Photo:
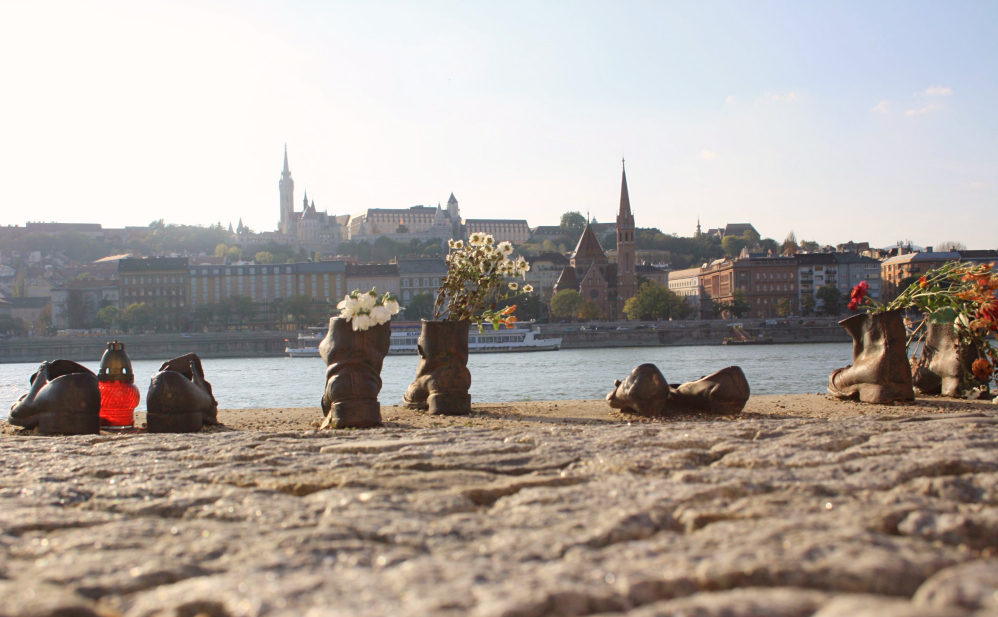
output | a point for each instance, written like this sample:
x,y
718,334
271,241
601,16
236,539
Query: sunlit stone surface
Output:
x,y
761,516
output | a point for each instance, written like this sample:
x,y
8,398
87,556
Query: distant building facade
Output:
x,y
75,303
766,280
687,284
514,231
404,224
419,276
158,282
646,271
321,282
544,272
384,278
894,270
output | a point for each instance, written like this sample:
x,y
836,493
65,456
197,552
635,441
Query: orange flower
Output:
x,y
988,313
982,369
923,282
509,321
509,309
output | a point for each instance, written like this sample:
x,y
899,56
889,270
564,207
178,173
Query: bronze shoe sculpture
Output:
x,y
353,373
179,399
442,377
724,392
647,392
64,399
945,362
880,372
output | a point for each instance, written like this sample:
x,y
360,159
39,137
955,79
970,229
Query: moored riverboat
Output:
x,y
520,338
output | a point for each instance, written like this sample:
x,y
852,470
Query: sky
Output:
x,y
864,121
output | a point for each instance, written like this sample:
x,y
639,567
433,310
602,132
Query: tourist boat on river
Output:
x,y
521,337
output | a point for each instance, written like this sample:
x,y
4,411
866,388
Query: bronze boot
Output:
x,y
353,373
442,377
945,362
64,399
880,372
724,392
645,391
179,399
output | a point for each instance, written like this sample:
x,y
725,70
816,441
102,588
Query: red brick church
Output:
x,y
590,272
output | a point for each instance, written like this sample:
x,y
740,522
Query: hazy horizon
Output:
x,y
840,122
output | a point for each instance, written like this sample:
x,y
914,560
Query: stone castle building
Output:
x,y
420,222
608,285
318,232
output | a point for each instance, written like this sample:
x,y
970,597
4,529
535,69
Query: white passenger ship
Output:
x,y
521,337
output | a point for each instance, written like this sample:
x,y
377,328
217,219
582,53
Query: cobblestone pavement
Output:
x,y
760,516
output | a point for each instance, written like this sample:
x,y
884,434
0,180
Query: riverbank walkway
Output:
x,y
801,506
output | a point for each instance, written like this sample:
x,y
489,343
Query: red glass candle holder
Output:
x,y
118,395
118,400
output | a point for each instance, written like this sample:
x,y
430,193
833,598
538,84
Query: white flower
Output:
x,y
459,244
366,302
361,322
476,239
489,240
514,286
505,248
392,306
348,307
380,315
528,288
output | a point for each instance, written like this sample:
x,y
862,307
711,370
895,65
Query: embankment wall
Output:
x,y
147,346
273,344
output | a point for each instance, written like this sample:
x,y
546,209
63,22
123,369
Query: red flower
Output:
x,y
982,369
858,295
923,282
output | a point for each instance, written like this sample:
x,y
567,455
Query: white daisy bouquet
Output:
x,y
476,282
364,310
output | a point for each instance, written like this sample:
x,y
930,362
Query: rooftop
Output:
x,y
309,267
431,265
372,269
152,264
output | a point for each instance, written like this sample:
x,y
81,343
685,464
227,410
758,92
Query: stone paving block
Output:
x,y
743,517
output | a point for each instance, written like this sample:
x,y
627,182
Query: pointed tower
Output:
x,y
627,280
455,217
240,228
287,188
588,252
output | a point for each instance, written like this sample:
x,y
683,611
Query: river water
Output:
x,y
568,374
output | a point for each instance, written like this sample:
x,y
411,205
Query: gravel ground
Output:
x,y
800,506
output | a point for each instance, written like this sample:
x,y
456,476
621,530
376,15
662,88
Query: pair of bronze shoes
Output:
x,y
65,399
646,392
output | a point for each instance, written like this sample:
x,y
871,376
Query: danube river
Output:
x,y
569,374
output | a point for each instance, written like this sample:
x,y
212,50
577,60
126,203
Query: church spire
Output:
x,y
625,200
287,172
